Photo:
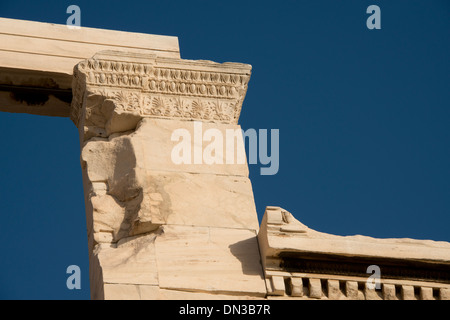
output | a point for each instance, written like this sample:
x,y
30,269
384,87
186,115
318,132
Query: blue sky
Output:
x,y
363,117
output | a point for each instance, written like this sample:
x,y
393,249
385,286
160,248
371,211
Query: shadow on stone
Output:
x,y
247,252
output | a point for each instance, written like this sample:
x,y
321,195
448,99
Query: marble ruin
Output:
x,y
158,230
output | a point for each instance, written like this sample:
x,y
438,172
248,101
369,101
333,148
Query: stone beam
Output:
x,y
37,60
158,229
301,263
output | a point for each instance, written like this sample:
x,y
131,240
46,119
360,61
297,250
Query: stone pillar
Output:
x,y
158,229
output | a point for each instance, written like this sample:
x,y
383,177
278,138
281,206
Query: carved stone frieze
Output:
x,y
150,86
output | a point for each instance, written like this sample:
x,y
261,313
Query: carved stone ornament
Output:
x,y
131,86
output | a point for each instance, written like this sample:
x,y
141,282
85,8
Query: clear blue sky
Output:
x,y
364,120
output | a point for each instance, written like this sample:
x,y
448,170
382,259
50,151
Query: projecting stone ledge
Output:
x,y
120,88
301,263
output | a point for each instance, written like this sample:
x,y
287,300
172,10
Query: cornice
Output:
x,y
291,249
151,86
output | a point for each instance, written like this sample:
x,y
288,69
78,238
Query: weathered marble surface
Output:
x,y
301,263
157,228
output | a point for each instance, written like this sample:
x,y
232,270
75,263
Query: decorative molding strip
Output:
x,y
163,87
172,106
309,287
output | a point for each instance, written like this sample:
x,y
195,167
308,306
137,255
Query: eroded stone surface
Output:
x,y
290,233
129,199
131,261
120,88
336,267
154,223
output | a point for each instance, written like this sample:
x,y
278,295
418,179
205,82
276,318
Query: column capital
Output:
x,y
133,86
